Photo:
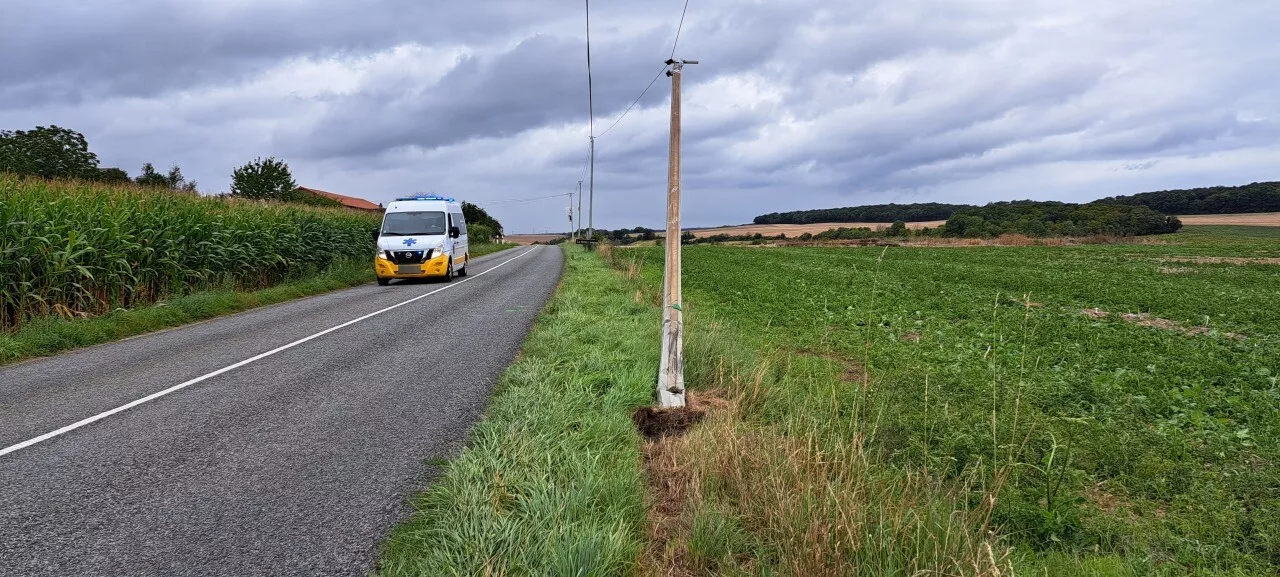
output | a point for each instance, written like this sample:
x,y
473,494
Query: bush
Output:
x,y
480,233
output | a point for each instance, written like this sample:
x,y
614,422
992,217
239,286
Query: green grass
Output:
x,y
52,335
1125,449
480,249
550,483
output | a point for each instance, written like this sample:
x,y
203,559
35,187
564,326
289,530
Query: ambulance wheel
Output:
x,y
448,272
463,271
384,281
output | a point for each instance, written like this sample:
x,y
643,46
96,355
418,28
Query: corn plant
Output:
x,y
78,249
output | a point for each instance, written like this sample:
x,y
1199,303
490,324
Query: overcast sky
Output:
x,y
796,104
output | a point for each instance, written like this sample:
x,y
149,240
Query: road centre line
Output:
x,y
178,387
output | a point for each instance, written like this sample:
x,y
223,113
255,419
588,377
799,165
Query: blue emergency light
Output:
x,y
426,197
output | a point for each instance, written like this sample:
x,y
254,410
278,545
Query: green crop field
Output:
x,y
75,249
1104,409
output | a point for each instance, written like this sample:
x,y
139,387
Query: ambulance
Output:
x,y
422,236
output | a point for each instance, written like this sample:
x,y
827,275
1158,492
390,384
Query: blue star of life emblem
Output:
x,y
410,241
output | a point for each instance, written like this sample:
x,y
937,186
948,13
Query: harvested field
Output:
x,y
793,230
799,229
1256,219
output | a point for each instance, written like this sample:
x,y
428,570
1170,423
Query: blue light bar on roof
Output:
x,y
426,197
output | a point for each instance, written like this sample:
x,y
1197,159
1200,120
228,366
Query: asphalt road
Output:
x,y
297,463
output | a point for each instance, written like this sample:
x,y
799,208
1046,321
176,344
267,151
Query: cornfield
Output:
x,y
79,249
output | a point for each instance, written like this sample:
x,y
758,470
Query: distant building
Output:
x,y
350,202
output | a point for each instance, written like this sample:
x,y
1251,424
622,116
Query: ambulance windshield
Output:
x,y
413,223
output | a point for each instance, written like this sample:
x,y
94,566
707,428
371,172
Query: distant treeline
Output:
x,y
1032,218
885,213
1039,219
1256,197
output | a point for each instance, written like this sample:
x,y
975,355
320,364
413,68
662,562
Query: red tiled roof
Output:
x,y
347,201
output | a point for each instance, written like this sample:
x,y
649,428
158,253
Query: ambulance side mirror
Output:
x,y
454,232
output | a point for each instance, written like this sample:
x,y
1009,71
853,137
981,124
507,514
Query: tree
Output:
x,y
149,177
112,175
263,179
172,181
476,215
49,152
898,228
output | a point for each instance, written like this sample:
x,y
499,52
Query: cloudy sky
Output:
x,y
796,104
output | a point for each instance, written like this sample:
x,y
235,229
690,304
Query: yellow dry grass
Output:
x,y
822,506
1255,219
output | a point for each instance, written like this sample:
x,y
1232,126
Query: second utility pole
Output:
x,y
671,365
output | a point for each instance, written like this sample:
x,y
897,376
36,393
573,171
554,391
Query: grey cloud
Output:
x,y
860,100
76,51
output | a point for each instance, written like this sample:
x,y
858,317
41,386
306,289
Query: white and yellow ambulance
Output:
x,y
422,236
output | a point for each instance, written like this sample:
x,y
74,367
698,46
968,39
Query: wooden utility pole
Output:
x,y
573,232
671,365
591,204
579,226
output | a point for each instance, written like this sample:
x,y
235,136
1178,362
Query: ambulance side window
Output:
x,y
459,222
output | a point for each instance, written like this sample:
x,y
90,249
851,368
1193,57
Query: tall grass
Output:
x,y
80,249
550,483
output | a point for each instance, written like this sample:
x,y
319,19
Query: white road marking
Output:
x,y
179,387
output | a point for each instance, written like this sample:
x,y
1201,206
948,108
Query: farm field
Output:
x,y
1105,409
794,230
1255,219
76,249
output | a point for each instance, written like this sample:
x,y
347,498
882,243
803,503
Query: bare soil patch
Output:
x,y
656,423
1221,260
1146,320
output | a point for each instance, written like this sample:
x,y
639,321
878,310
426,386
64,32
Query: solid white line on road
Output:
x,y
179,387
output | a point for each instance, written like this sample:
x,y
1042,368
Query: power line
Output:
x,y
674,44
586,160
637,101
590,95
517,200
679,28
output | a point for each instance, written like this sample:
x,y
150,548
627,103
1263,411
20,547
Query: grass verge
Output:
x,y
481,249
551,481
52,335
